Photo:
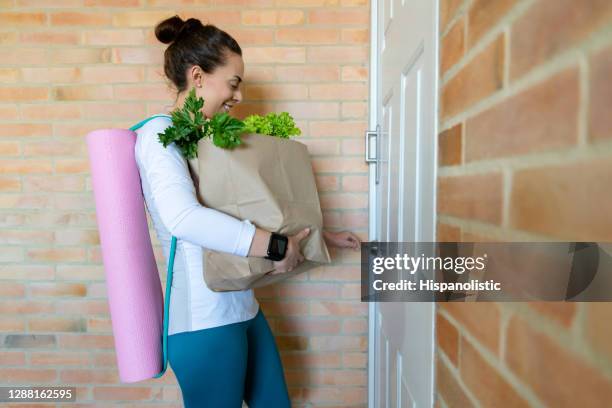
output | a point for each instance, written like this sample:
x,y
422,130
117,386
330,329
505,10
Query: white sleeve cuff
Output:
x,y
245,239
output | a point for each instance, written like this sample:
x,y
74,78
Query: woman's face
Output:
x,y
221,88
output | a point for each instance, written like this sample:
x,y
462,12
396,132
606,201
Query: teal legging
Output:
x,y
222,366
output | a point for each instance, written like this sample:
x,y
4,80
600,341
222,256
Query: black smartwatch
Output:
x,y
277,247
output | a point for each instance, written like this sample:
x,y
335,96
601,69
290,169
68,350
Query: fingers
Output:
x,y
302,234
349,240
354,239
294,265
288,267
294,256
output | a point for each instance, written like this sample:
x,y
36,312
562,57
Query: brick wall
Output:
x,y
525,154
71,66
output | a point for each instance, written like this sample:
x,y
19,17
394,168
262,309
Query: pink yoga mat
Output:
x,y
133,284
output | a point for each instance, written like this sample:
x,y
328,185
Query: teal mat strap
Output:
x,y
167,307
168,277
142,122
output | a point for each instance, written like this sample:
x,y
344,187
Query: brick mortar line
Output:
x,y
162,47
490,230
506,197
498,366
456,374
113,14
186,7
440,400
101,120
578,330
460,347
507,57
162,84
459,13
582,122
466,29
566,157
463,141
504,319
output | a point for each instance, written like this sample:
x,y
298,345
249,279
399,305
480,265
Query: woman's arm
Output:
x,y
174,196
259,247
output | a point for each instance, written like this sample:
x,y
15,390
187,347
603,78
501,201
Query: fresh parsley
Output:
x,y
189,126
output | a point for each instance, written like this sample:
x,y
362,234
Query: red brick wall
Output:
x,y
525,154
70,66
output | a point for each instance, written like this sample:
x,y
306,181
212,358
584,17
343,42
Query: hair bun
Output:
x,y
167,30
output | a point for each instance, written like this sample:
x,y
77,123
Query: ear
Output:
x,y
197,76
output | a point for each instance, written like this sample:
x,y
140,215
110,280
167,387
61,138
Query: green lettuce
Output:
x,y
273,124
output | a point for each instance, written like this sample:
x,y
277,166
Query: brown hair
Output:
x,y
192,43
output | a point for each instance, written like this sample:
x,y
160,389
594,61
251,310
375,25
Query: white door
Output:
x,y
404,61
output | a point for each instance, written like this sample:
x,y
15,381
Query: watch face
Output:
x,y
277,248
282,246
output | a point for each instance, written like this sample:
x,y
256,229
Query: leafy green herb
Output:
x,y
273,124
189,126
226,130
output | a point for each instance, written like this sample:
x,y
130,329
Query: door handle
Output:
x,y
368,157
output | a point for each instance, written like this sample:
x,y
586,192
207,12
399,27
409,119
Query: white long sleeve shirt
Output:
x,y
171,200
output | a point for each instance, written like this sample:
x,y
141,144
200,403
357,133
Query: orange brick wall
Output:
x,y
525,154
71,66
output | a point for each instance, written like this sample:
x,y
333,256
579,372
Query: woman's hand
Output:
x,y
344,239
293,256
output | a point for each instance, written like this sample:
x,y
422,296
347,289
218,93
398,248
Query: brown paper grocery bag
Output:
x,y
269,181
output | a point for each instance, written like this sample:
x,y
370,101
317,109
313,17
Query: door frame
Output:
x,y
372,124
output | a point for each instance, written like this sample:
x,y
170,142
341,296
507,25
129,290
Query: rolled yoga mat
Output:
x,y
133,284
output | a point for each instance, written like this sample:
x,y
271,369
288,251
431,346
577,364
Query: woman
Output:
x,y
220,346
